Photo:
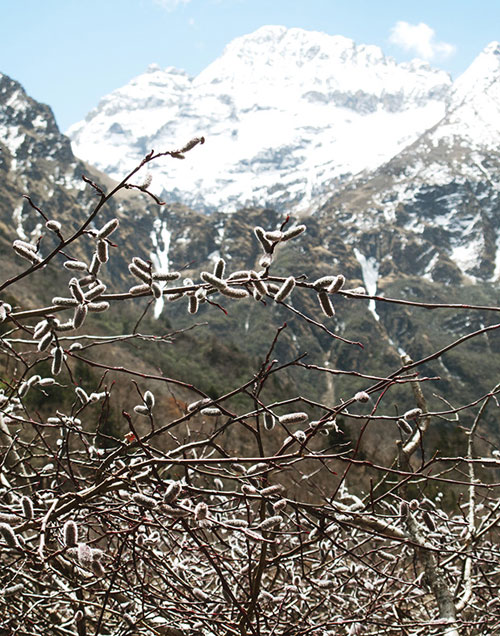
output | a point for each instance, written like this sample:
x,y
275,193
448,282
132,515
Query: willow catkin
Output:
x,y
269,421
138,262
172,492
8,535
27,506
285,290
95,266
166,276
326,304
217,282
95,291
108,228
261,235
293,232
78,266
139,289
149,399
211,411
337,284
79,315
76,290
274,236
193,304
361,396
45,341
292,418
64,302
412,414
70,534
57,360
84,554
139,273
405,426
102,251
219,268
82,395
144,500
103,305
324,282
235,292
271,523
428,520
157,291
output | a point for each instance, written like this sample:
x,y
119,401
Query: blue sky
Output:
x,y
69,53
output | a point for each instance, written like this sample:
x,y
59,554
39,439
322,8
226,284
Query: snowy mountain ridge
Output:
x,y
287,113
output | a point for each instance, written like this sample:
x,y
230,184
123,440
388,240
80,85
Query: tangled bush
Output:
x,y
171,530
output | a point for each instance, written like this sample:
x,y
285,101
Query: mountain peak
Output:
x,y
285,111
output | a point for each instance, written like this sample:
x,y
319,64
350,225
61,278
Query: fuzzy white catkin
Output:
x,y
172,492
79,315
261,235
95,291
45,341
217,282
140,409
144,500
337,284
149,399
76,290
139,289
166,276
233,292
102,251
64,302
326,304
292,418
103,305
57,361
293,232
53,226
8,535
412,414
271,522
193,304
139,273
269,421
361,396
285,290
157,291
271,490
70,534
107,229
211,411
41,329
324,282
78,266
84,554
27,506
138,262
256,468
219,268
194,405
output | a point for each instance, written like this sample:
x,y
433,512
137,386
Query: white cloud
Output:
x,y
170,5
419,38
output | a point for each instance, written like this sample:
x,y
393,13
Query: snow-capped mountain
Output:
x,y
286,114
442,190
